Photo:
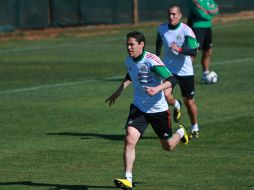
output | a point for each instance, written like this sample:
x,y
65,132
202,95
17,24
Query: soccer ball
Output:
x,y
210,78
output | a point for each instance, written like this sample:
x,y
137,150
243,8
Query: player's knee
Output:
x,y
167,92
208,52
169,97
167,147
129,141
189,102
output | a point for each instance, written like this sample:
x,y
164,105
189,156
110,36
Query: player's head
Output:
x,y
135,43
174,14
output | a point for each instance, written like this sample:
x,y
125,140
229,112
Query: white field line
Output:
x,y
45,47
226,62
114,77
44,86
28,49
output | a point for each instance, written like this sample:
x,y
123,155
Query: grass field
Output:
x,y
57,132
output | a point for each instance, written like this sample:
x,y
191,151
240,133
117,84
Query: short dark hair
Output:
x,y
176,6
140,37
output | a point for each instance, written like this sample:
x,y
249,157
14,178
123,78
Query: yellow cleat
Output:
x,y
185,138
125,184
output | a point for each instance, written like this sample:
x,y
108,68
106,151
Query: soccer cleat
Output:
x,y
193,134
125,184
177,113
185,138
204,79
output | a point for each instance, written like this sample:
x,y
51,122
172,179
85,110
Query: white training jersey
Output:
x,y
177,63
142,75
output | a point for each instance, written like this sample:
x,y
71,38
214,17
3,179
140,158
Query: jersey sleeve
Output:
x,y
158,66
189,38
191,42
162,71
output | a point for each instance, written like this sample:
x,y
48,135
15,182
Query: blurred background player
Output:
x,y
201,13
149,77
179,45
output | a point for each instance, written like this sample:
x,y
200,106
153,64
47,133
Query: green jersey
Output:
x,y
201,13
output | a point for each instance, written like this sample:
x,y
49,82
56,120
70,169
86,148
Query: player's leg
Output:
x,y
162,127
180,135
193,115
135,126
205,60
192,110
204,44
175,103
169,97
187,86
206,52
131,139
171,142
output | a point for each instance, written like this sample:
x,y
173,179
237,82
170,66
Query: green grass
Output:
x,y
57,132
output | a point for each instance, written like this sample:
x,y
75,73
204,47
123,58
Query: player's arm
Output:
x,y
158,44
126,81
169,81
200,10
163,72
213,8
189,47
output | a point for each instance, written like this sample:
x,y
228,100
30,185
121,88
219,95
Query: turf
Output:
x,y
57,132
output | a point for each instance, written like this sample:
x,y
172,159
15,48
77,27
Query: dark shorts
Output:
x,y
187,85
160,122
204,37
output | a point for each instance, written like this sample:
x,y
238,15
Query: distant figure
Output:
x,y
201,13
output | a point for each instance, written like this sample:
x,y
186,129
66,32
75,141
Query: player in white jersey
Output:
x,y
149,77
179,45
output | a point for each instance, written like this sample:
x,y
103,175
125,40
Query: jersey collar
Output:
x,y
140,57
171,27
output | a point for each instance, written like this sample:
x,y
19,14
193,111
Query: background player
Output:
x,y
179,44
201,13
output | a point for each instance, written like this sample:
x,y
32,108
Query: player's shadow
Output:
x,y
90,135
55,186
95,135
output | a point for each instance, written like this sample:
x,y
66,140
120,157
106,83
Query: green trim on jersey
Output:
x,y
162,71
171,27
191,42
140,57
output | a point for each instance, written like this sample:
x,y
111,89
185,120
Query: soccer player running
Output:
x,y
200,17
179,45
149,77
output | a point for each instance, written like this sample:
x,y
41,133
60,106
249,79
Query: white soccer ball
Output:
x,y
211,78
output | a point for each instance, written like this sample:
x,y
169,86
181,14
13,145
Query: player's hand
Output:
x,y
151,90
174,47
111,100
